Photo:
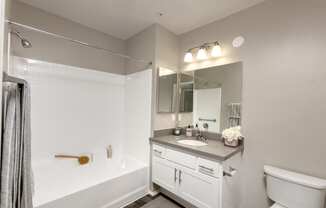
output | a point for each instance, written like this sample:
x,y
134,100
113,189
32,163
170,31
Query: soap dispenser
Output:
x,y
189,131
197,131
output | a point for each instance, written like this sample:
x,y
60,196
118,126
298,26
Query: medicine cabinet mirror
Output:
x,y
186,92
167,90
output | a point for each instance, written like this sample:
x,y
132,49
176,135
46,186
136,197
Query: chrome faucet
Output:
x,y
199,133
200,136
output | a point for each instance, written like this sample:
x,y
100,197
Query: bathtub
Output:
x,y
104,183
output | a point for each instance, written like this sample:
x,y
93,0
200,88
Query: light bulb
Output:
x,y
216,50
202,54
188,57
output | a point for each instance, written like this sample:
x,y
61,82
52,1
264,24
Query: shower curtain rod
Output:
x,y
76,41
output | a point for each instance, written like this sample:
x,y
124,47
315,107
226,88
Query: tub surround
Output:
x,y
214,150
76,104
93,182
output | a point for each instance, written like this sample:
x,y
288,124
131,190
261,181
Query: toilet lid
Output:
x,y
277,206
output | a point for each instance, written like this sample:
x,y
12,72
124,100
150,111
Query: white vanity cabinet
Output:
x,y
164,173
194,179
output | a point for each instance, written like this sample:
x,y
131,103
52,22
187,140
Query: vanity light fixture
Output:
x,y
188,57
214,49
202,53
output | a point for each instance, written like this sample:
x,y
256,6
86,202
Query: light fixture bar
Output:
x,y
202,53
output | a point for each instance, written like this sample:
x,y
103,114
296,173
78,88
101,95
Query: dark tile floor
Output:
x,y
159,201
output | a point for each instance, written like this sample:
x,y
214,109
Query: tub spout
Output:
x,y
109,152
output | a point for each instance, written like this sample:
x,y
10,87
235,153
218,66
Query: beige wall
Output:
x,y
284,87
160,46
60,51
141,46
167,48
167,55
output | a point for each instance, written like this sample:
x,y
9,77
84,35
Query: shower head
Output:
x,y
25,43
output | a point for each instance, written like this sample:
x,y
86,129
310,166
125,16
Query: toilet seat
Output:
x,y
277,206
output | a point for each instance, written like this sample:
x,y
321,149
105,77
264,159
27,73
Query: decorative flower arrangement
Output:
x,y
232,136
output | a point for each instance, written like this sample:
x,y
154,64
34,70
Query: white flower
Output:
x,y
231,134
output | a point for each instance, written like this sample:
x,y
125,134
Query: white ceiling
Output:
x,y
125,18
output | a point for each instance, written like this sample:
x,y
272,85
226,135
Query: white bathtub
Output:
x,y
101,184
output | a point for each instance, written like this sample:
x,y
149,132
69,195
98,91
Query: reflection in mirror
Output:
x,y
167,88
207,108
186,92
217,98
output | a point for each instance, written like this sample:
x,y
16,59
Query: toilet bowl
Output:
x,y
276,205
293,189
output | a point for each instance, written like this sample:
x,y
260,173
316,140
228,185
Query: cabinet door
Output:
x,y
201,190
164,174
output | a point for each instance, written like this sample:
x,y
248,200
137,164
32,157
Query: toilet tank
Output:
x,y
294,190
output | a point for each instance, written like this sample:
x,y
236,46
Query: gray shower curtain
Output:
x,y
15,148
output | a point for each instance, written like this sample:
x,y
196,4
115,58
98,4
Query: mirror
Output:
x,y
186,92
167,88
216,100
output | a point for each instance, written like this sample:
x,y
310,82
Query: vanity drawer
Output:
x,y
159,151
209,167
181,158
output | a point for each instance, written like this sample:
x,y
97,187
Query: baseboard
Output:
x,y
153,193
128,198
176,198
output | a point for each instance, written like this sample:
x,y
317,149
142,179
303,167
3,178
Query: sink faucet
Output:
x,y
199,133
199,136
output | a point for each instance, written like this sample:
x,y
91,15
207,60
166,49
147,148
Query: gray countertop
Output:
x,y
215,148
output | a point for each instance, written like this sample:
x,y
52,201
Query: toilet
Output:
x,y
294,190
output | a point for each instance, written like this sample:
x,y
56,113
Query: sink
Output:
x,y
192,142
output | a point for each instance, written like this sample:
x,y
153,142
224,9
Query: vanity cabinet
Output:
x,y
199,189
194,179
165,174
